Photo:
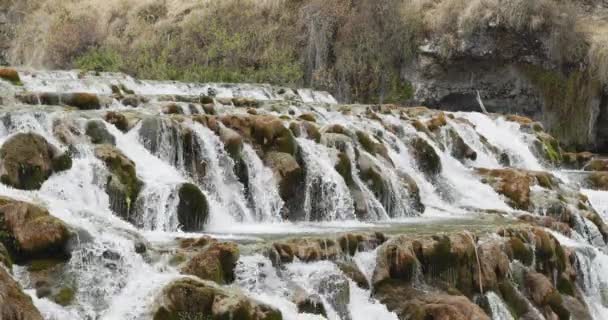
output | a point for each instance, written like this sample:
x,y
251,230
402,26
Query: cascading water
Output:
x,y
353,170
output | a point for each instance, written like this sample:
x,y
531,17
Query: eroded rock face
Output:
x,y
28,160
461,265
14,303
192,298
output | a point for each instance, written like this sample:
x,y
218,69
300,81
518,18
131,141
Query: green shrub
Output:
x,y
99,60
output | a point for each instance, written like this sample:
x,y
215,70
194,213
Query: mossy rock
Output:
x,y
216,262
352,271
123,185
192,298
425,156
82,101
245,103
172,108
272,135
192,209
28,160
32,233
203,99
520,251
96,130
10,75
371,146
15,304
64,297
290,179
308,117
344,168
43,264
119,120
437,122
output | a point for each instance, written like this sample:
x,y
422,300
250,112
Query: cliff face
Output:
x,y
540,58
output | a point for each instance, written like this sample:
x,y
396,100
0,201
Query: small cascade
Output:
x,y
327,196
264,195
219,180
506,136
499,310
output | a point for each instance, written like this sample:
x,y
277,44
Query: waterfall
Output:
x,y
381,170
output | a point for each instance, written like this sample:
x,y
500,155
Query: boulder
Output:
x,y
596,164
309,303
81,100
290,179
122,185
10,75
189,298
192,209
31,232
576,160
96,130
119,120
215,262
27,160
437,122
14,303
352,271
425,156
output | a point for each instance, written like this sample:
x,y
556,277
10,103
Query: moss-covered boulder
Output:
x,y
29,231
542,293
548,148
172,108
14,303
81,100
513,184
308,303
596,164
459,149
27,160
193,208
216,262
425,156
305,129
98,133
272,135
437,122
352,271
578,160
372,145
188,298
10,75
122,185
119,120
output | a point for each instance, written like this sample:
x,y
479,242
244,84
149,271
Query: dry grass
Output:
x,y
356,49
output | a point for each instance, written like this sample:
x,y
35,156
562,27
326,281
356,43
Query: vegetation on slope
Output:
x,y
358,50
